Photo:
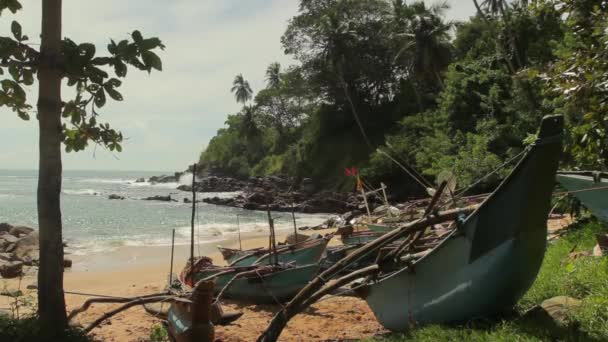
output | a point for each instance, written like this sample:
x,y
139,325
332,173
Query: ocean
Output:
x,y
92,223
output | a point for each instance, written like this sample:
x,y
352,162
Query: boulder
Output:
x,y
11,269
140,180
32,286
185,187
9,248
6,257
27,247
159,198
16,231
7,239
553,315
5,227
67,263
260,198
115,197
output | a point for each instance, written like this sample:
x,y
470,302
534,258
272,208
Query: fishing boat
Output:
x,y
306,252
232,254
259,284
589,187
487,263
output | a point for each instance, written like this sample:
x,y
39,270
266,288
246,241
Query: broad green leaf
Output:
x,y
118,148
151,60
28,76
100,98
14,71
114,94
87,51
113,82
137,37
16,29
120,68
151,43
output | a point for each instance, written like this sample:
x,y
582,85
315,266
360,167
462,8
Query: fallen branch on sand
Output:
x,y
108,300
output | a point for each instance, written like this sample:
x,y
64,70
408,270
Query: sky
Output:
x,y
167,118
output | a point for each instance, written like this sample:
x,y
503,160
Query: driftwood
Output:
x,y
299,302
94,300
124,307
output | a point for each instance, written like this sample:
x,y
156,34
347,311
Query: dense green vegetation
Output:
x,y
396,75
584,277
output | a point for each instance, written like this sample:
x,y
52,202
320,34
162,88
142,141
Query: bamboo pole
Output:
x,y
193,214
295,226
238,227
276,326
172,253
408,243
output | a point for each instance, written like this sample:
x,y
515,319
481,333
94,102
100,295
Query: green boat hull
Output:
x,y
486,265
300,256
268,289
595,200
379,228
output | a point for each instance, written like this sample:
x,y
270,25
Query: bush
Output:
x,y
30,330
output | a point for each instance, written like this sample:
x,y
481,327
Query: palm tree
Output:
x,y
426,35
479,10
495,7
273,75
241,89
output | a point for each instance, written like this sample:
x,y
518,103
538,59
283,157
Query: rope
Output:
x,y
458,194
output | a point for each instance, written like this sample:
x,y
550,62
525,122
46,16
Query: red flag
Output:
x,y
350,172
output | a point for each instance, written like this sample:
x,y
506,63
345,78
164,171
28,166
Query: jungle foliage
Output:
x,y
378,76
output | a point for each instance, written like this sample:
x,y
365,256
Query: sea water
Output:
x,y
93,223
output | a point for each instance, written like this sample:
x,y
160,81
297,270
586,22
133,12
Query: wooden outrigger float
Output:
x,y
481,268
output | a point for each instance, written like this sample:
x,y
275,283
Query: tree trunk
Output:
x,y
51,302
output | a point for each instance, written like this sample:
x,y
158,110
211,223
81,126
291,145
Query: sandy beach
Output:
x,y
134,271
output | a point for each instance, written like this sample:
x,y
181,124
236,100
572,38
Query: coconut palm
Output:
x,y
426,36
273,75
241,89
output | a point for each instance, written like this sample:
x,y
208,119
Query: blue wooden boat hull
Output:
x,y
277,286
595,200
487,264
301,256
